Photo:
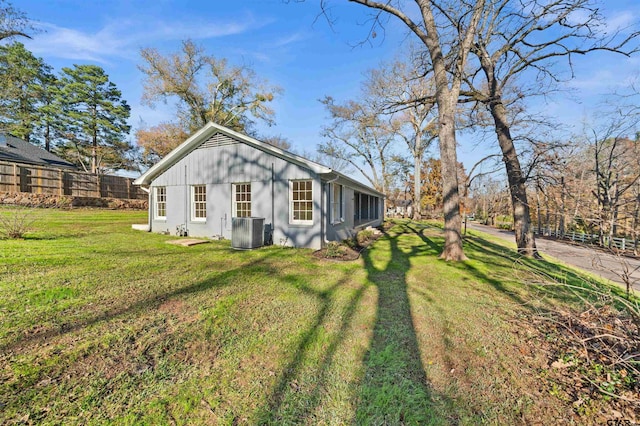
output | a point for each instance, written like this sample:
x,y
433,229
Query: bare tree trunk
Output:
x,y
450,197
562,208
547,215
539,207
636,221
417,187
525,239
576,210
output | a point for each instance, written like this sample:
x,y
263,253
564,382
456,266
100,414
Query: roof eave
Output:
x,y
206,132
354,183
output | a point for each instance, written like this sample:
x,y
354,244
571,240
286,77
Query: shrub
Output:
x,y
15,222
364,236
335,249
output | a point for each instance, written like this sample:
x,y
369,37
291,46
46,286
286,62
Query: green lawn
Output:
x,y
102,324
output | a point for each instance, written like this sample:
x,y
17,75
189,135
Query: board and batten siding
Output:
x,y
222,161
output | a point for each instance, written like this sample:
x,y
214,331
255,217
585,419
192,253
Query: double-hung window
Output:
x,y
198,203
301,202
337,205
161,202
241,200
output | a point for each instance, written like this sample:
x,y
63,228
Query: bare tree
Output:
x,y
489,197
616,168
448,48
359,136
207,88
13,22
516,37
401,89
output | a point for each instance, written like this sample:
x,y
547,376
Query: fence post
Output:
x,y
98,189
16,187
61,182
624,240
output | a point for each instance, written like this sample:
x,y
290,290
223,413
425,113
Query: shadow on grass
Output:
x,y
545,278
394,388
283,405
259,266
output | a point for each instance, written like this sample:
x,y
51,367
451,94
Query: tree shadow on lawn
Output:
x,y
544,277
394,388
538,275
259,265
283,405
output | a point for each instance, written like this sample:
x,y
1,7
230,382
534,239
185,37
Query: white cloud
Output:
x,y
290,39
620,21
122,39
596,81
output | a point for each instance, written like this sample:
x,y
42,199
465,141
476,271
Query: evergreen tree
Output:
x,y
24,83
49,113
95,120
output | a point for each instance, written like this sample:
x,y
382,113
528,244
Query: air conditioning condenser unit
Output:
x,y
247,232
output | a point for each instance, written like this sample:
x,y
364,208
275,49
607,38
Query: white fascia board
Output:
x,y
209,130
352,183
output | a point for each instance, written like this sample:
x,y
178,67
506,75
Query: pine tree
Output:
x,y
24,83
95,120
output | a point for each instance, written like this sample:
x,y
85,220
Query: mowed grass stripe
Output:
x,y
100,324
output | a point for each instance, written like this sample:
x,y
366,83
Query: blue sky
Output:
x,y
287,43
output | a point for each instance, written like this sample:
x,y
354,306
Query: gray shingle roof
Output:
x,y
18,151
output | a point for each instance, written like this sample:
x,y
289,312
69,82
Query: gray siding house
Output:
x,y
219,174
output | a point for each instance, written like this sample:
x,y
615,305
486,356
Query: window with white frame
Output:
x,y
337,204
161,202
301,202
199,203
241,200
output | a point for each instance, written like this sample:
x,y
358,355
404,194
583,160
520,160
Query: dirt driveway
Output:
x,y
594,261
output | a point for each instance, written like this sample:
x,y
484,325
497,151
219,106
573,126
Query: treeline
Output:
x,y
77,113
475,67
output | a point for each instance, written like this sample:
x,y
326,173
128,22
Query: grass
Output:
x,y
102,324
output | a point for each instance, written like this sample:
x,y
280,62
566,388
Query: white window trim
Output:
x,y
234,203
155,199
339,219
193,204
292,221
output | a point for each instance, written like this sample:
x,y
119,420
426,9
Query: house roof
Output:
x,y
16,150
211,129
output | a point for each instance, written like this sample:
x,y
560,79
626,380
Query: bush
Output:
x,y
364,236
15,222
334,249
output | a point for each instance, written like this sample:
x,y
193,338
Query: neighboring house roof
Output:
x,y
16,150
211,129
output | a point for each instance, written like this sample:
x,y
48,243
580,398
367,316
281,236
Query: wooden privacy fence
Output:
x,y
46,180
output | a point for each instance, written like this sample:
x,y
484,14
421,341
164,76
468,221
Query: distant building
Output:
x,y
15,150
